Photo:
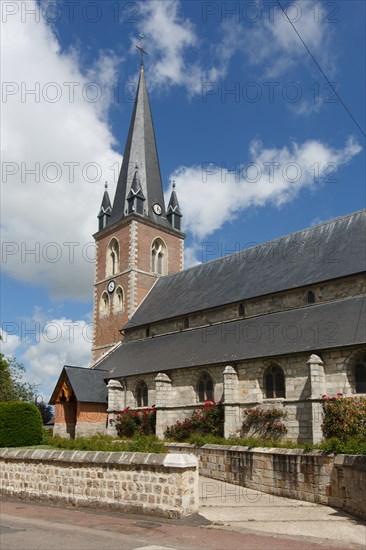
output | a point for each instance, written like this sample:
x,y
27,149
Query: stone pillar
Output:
x,y
163,386
231,406
115,404
317,389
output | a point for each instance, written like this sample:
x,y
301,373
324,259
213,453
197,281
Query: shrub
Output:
x,y
354,445
102,442
129,422
20,424
206,420
343,417
264,423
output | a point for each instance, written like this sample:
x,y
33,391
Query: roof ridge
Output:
x,y
82,368
223,258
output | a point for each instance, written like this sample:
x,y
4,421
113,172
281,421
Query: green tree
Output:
x,y
46,412
12,387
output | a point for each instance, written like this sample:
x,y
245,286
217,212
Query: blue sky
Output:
x,y
246,123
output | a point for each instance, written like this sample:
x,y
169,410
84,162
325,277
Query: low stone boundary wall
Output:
x,y
315,476
158,484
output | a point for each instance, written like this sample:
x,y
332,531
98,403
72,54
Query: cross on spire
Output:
x,y
141,49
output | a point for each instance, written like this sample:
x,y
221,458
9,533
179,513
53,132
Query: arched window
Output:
x,y
205,388
360,375
104,304
310,297
274,382
241,310
158,257
141,394
119,299
112,258
186,322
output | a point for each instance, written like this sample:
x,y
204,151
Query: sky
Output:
x,y
259,115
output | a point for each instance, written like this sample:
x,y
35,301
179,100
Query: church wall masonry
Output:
x,y
239,386
291,299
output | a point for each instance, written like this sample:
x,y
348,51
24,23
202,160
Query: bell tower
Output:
x,y
138,240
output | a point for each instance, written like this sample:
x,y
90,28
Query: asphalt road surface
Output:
x,y
26,526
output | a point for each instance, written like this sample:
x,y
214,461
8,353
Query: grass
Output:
x,y
150,444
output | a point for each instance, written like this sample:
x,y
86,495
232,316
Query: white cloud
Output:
x,y
44,343
59,342
273,43
170,38
40,130
9,343
271,177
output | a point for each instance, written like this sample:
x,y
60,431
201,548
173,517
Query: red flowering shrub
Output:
x,y
130,421
206,420
264,423
343,417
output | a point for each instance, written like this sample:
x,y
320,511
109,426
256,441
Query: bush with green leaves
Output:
x,y
206,420
20,424
343,417
130,421
102,442
264,423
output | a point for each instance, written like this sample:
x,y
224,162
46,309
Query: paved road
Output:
x,y
39,527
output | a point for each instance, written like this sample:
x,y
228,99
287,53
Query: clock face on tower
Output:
x,y
157,209
111,286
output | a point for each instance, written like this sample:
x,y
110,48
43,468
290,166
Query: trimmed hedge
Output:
x,y
20,424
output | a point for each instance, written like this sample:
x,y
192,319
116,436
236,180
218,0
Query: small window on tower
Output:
x,y
186,323
158,257
311,297
119,299
241,310
112,258
104,304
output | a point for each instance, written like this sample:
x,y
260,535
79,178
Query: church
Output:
x,y
279,324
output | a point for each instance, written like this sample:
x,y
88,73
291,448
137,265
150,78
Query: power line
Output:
x,y
321,70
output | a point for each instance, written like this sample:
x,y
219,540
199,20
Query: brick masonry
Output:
x,y
160,485
133,275
338,481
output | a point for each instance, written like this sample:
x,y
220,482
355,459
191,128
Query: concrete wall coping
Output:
x,y
180,461
351,461
263,450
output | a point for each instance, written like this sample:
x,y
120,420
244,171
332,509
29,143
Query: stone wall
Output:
x,y
311,476
161,485
336,289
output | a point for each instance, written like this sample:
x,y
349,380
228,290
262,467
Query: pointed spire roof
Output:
x,y
136,190
173,206
105,207
141,150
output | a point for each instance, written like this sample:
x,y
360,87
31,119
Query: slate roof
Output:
x,y
327,251
141,150
340,323
106,207
88,384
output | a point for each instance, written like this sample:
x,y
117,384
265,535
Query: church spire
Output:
x,y
105,209
140,150
174,213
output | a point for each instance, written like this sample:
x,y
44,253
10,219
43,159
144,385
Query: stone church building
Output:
x,y
279,324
